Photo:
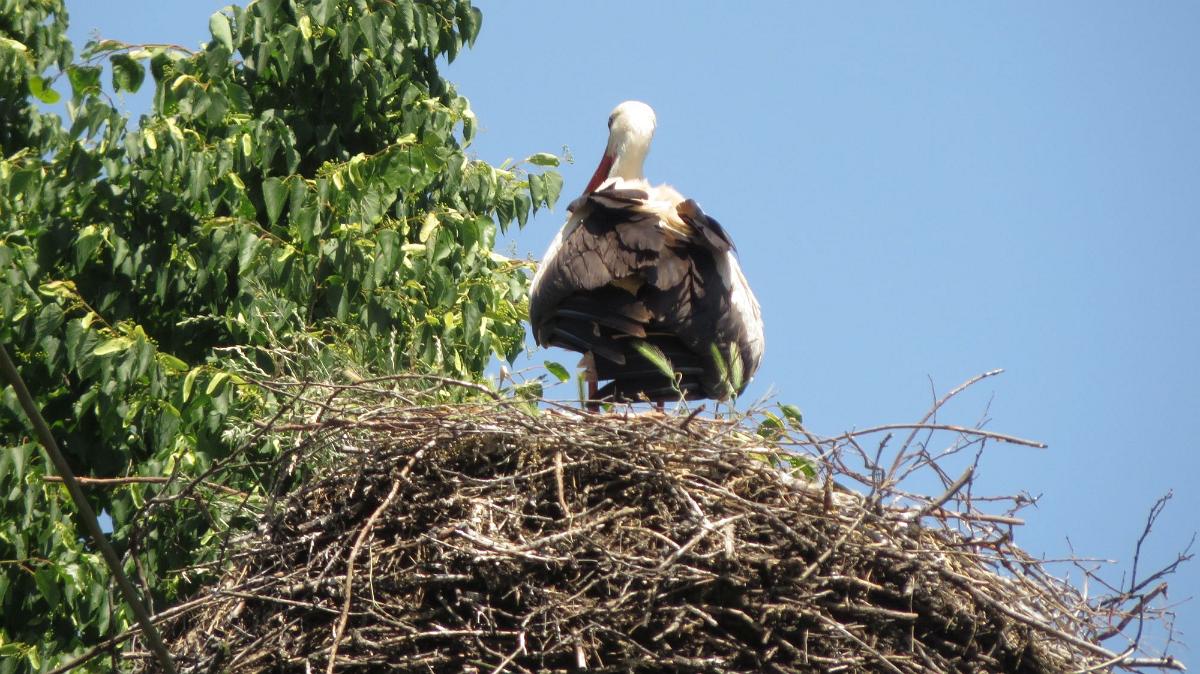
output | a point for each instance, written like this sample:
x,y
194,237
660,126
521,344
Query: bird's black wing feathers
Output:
x,y
618,277
712,232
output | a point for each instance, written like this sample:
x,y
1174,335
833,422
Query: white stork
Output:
x,y
637,265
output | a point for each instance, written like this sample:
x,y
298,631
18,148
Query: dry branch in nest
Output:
x,y
492,538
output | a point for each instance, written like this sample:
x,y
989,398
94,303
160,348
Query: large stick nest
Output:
x,y
489,538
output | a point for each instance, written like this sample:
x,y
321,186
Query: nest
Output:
x,y
499,538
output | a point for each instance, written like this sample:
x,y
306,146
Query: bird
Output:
x,y
643,283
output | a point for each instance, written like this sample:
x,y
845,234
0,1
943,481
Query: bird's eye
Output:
x,y
610,120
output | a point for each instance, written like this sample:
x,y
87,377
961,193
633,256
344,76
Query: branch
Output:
x,y
349,587
85,512
948,427
137,479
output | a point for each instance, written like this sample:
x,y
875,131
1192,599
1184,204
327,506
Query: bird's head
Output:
x,y
630,130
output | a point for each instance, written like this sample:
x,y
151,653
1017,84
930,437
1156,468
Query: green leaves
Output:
x,y
560,373
323,12
274,194
544,189
305,206
736,371
469,21
543,159
214,384
13,45
171,364
218,25
127,73
774,426
85,80
189,382
793,415
114,345
771,427
41,89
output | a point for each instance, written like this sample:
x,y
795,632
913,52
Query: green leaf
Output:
x,y
523,206
20,457
189,381
47,584
170,363
656,357
557,370
722,370
531,390
113,345
218,25
215,382
87,241
800,463
469,20
127,73
430,223
246,251
792,413
771,427
14,45
274,194
239,98
49,320
543,159
11,650
537,190
85,80
552,184
736,374
324,11
41,89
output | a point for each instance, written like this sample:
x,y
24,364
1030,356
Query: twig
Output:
x,y
948,427
138,479
949,494
1155,511
945,399
558,482
879,657
348,588
1137,610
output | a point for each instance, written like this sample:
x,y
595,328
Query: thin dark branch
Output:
x,y
85,513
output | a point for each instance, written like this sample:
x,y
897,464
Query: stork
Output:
x,y
639,272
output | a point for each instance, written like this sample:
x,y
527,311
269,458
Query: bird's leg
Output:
x,y
593,405
588,363
660,406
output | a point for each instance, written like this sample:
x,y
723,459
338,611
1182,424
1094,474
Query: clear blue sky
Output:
x,y
919,191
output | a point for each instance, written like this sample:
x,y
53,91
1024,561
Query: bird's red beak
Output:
x,y
601,173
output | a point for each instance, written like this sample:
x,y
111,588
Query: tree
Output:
x,y
298,203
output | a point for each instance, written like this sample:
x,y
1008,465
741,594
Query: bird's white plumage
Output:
x,y
631,128
745,305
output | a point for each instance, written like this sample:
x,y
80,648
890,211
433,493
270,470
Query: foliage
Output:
x,y
299,201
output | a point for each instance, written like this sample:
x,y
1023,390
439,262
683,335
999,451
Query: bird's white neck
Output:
x,y
630,130
630,157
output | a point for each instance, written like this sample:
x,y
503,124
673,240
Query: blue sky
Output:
x,y
919,192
